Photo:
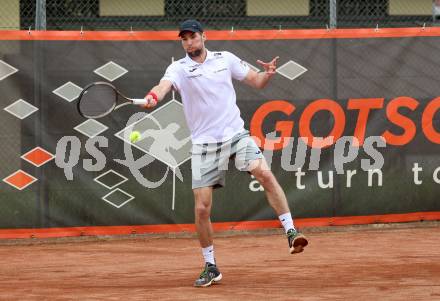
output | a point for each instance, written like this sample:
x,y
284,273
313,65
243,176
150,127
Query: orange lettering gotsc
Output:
x,y
364,105
427,117
393,115
319,105
284,127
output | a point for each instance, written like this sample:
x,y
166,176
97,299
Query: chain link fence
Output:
x,y
214,14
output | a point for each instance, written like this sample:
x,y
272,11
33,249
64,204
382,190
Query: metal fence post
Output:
x,y
40,15
333,14
42,197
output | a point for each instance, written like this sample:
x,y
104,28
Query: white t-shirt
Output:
x,y
208,96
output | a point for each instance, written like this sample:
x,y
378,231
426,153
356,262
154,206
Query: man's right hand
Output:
x,y
151,102
157,93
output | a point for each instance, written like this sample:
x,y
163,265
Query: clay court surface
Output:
x,y
354,264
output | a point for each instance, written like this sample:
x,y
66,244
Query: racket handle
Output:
x,y
139,101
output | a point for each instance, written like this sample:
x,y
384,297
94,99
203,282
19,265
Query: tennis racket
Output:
x,y
99,99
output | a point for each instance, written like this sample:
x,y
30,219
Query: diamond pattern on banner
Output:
x,y
69,91
256,69
6,70
110,179
19,179
38,156
111,71
21,109
91,128
291,70
118,198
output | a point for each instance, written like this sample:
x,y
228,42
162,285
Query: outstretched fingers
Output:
x,y
271,66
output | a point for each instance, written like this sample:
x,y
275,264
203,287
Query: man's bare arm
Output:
x,y
260,80
159,91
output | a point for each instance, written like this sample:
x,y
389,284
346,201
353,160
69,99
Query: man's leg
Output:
x,y
278,201
203,203
274,193
202,208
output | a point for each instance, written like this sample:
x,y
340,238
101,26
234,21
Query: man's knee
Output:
x,y
203,202
202,211
265,177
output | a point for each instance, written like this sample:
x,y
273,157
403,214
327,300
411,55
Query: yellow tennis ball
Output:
x,y
135,136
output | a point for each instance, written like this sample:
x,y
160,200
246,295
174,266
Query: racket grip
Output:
x,y
139,101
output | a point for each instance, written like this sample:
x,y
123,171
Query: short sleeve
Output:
x,y
239,68
172,74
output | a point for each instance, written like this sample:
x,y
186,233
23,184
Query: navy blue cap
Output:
x,y
190,25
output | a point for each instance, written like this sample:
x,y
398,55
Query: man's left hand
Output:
x,y
271,67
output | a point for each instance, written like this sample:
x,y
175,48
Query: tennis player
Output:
x,y
204,80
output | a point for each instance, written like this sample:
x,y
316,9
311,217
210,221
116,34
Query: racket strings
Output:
x,y
97,101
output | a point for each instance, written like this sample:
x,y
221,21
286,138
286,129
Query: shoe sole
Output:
x,y
299,243
213,281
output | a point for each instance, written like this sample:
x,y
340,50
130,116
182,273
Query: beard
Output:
x,y
195,53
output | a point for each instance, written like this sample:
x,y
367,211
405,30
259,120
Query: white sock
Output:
x,y
286,221
208,254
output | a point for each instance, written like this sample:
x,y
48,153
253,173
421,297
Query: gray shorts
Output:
x,y
209,161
